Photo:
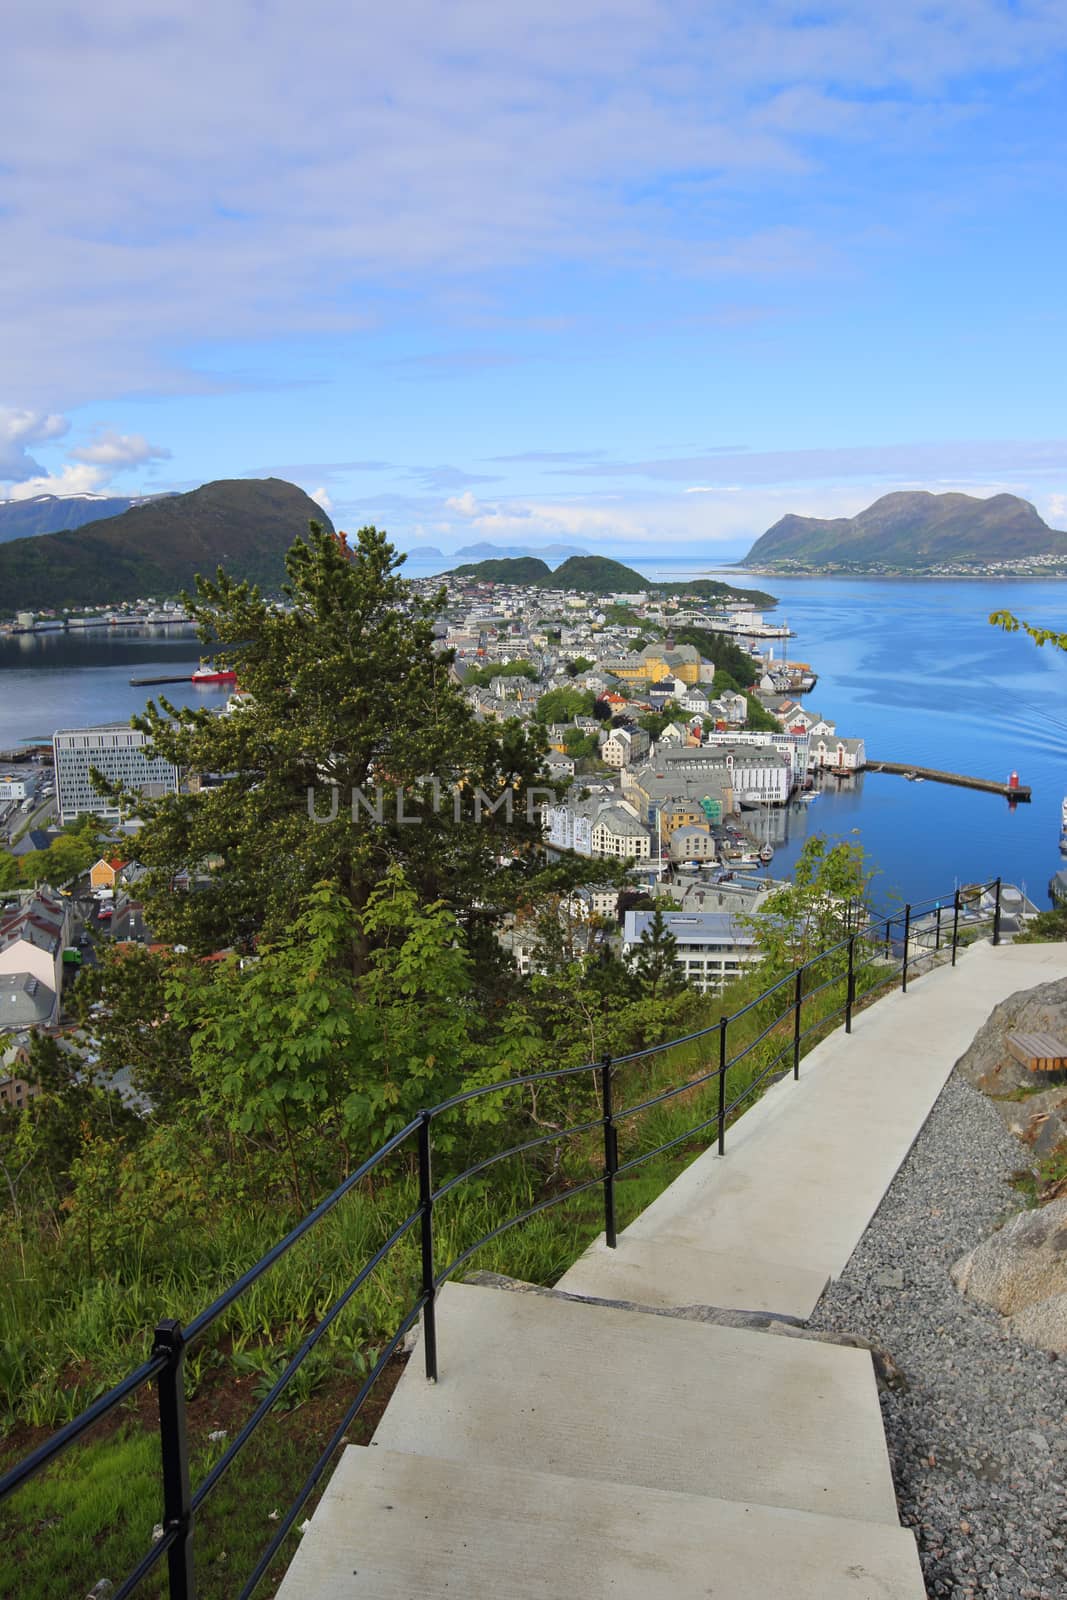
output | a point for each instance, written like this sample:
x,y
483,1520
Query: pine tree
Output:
x,y
352,749
655,959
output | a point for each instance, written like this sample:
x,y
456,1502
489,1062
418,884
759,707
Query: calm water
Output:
x,y
913,668
72,680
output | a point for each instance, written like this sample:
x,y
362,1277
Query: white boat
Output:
x,y
1063,815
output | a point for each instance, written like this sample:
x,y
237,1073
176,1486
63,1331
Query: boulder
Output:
x,y
1043,1323
988,1064
1024,1262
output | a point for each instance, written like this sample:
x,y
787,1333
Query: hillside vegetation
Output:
x,y
244,524
912,529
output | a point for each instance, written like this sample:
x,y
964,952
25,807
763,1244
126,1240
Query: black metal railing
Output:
x,y
872,946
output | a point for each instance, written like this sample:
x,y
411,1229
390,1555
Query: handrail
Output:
x,y
166,1363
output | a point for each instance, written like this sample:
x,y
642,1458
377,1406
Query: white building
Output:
x,y
624,746
712,946
18,783
793,746
845,755
597,827
118,752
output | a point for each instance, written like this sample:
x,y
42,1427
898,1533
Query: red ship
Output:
x,y
206,674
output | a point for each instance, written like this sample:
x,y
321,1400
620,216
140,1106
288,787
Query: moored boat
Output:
x,y
211,674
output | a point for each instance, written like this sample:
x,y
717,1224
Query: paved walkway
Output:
x,y
577,1449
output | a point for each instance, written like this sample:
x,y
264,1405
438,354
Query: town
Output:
x,y
663,765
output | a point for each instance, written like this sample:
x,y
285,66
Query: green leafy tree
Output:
x,y
479,676
562,705
1040,636
290,1050
723,652
578,665
825,901
757,718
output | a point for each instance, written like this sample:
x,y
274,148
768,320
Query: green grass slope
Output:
x,y
244,524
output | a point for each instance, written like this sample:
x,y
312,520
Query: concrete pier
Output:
x,y
959,779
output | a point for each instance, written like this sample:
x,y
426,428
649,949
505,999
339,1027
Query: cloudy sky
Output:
x,y
639,275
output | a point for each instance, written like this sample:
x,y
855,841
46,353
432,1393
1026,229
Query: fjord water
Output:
x,y
912,667
72,680
916,670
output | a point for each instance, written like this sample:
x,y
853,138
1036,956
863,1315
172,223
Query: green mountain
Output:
x,y
596,575
599,575
244,524
506,569
912,529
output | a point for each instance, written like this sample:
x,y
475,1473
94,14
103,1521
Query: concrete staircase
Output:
x,y
577,1449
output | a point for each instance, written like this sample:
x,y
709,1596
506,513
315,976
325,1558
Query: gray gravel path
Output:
x,y
978,1432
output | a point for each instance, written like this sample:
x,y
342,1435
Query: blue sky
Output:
x,y
639,276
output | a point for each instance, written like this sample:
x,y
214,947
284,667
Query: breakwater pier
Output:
x,y
1010,791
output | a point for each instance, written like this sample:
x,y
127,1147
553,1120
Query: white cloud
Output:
x,y
69,480
116,450
464,504
322,498
18,430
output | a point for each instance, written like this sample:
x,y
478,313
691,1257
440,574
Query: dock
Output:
x,y
1019,791
144,683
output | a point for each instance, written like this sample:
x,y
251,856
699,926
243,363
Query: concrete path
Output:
x,y
575,1449
806,1168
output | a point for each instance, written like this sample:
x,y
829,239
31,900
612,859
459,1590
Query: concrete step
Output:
x,y
627,1398
394,1525
667,1271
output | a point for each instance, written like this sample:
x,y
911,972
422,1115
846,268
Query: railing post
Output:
x,y
955,923
996,914
429,1311
611,1153
722,1085
889,921
798,1001
850,993
907,940
174,1444
937,931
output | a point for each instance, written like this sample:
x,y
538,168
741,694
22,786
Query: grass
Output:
x,y
66,1337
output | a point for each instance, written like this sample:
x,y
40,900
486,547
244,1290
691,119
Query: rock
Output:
x,y
1025,1261
888,1278
1043,1323
987,1064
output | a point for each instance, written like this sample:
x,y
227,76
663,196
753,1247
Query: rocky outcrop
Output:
x,y
988,1064
1024,1263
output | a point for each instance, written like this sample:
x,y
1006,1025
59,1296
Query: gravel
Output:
x,y
976,1428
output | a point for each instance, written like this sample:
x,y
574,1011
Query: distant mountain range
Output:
x,y
54,513
510,551
157,548
912,530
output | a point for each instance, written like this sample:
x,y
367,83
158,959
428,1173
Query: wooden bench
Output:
x,y
1038,1051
